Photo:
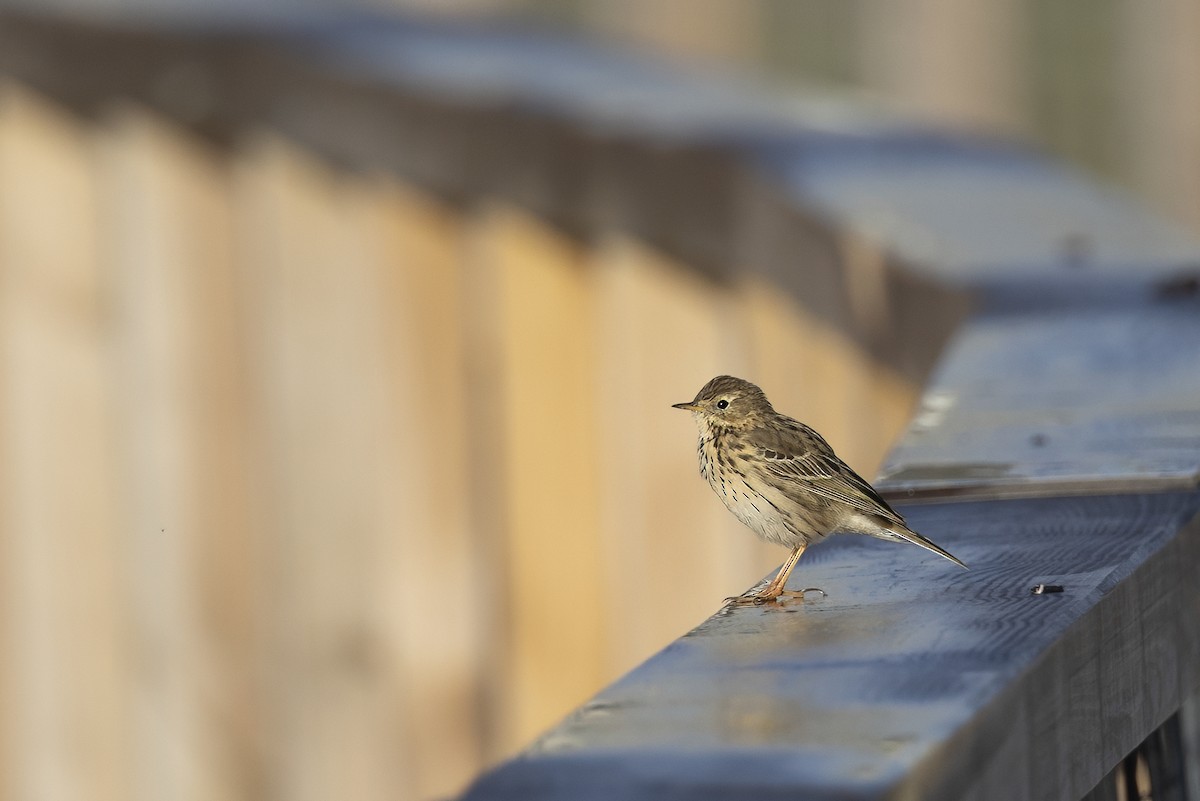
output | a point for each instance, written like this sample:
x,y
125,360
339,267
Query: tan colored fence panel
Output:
x,y
66,667
313,265
434,602
190,561
546,395
316,486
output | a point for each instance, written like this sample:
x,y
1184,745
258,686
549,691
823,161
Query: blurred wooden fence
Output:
x,y
318,481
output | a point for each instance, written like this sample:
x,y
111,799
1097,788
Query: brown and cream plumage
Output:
x,y
782,480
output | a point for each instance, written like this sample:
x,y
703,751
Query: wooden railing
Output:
x,y
336,458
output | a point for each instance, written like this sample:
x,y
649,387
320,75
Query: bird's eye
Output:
x,y
722,404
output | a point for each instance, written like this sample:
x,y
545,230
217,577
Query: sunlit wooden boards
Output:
x,y
318,636
436,607
191,555
63,678
312,339
348,405
233,458
533,348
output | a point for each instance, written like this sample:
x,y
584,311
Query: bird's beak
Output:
x,y
689,406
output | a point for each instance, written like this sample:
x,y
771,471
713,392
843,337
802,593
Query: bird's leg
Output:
x,y
775,588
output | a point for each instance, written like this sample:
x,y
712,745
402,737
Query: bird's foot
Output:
x,y
750,599
767,596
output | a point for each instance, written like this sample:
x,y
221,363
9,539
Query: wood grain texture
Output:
x,y
910,681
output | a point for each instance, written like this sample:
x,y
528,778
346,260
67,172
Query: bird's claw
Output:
x,y
750,599
757,599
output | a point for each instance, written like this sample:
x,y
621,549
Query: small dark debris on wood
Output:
x,y
1045,589
1184,285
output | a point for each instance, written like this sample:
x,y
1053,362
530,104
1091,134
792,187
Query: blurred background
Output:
x,y
319,481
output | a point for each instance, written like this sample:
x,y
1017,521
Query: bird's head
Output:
x,y
728,402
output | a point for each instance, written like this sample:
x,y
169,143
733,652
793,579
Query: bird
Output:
x,y
783,481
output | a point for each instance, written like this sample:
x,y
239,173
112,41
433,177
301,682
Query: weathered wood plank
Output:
x,y
543,435
317,351
909,680
184,466
1189,735
65,676
442,662
1045,403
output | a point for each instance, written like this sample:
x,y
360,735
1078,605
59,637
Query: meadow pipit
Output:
x,y
782,480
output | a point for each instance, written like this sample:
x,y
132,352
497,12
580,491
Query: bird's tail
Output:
x,y
908,535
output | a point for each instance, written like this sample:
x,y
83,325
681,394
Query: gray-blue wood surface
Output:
x,y
912,679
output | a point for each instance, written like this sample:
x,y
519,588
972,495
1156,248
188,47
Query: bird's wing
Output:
x,y
794,452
